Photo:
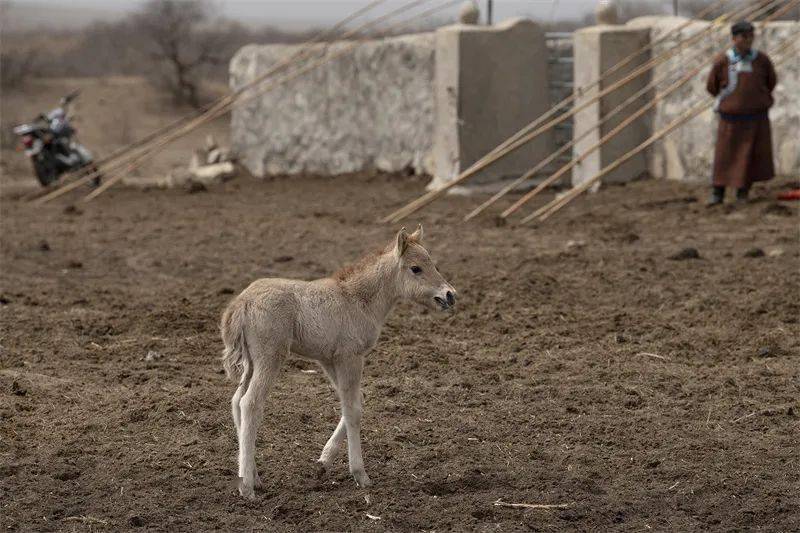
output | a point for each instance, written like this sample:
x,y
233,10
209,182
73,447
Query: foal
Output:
x,y
334,321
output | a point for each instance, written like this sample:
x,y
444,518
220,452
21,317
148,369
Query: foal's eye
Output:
x,y
416,270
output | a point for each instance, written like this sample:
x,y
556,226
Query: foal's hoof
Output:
x,y
247,493
320,469
362,479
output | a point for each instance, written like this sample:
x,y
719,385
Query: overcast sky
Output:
x,y
292,14
329,11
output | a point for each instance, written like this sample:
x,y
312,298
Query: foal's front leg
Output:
x,y
348,377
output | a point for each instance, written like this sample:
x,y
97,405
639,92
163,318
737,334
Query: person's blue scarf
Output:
x,y
736,63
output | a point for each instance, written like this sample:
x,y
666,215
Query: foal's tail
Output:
x,y
235,356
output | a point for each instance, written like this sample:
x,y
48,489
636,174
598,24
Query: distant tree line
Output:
x,y
179,44
176,44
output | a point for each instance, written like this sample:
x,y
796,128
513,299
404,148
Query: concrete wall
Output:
x,y
368,109
395,103
597,49
688,153
379,108
490,82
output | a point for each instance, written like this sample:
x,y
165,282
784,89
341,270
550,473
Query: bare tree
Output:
x,y
177,37
19,57
17,65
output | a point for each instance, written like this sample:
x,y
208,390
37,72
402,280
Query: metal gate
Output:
x,y
560,65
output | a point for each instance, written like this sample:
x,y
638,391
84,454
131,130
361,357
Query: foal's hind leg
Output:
x,y
266,362
331,449
236,410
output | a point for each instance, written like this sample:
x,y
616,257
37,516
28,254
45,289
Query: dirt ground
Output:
x,y
583,367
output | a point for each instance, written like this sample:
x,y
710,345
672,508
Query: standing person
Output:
x,y
742,79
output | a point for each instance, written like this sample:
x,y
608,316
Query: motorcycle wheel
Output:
x,y
46,171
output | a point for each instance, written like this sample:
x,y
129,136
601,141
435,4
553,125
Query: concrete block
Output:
x,y
597,49
368,109
489,83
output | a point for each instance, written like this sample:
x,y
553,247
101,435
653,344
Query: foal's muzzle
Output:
x,y
447,302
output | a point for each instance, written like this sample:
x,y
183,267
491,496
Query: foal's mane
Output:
x,y
352,270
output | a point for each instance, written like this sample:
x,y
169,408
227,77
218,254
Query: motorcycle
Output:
x,y
49,142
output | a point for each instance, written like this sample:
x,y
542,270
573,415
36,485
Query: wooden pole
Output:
x,y
547,211
489,157
544,210
577,138
122,150
611,70
611,134
224,104
694,111
296,56
255,93
552,179
507,148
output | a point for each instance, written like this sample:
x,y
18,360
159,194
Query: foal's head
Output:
x,y
419,279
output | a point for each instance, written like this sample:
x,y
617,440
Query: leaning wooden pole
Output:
x,y
545,208
554,206
614,132
555,109
496,154
286,61
133,163
258,91
560,202
577,138
603,140
533,171
224,104
249,96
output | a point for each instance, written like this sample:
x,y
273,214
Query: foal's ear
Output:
x,y
417,235
402,243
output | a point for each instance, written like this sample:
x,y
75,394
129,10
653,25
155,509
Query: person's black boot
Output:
x,y
742,195
717,196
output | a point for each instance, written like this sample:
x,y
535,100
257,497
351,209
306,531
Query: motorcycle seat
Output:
x,y
25,129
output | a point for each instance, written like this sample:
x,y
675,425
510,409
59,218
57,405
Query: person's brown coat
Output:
x,y
743,153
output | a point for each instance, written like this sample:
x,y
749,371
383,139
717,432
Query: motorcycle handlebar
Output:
x,y
70,97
